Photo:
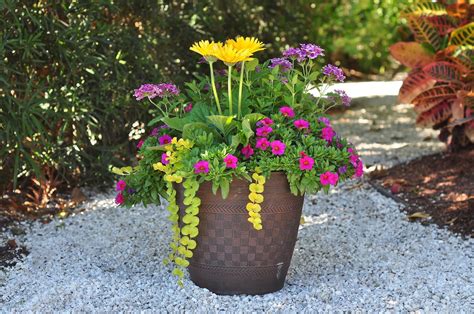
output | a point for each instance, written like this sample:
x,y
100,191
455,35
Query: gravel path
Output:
x,y
356,250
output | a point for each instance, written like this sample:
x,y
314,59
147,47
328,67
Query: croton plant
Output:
x,y
440,84
245,120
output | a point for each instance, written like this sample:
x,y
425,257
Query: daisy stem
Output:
x,y
213,83
240,89
229,88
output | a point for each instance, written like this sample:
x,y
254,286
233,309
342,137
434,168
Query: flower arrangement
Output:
x,y
245,120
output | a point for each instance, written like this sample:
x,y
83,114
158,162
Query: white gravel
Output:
x,y
356,250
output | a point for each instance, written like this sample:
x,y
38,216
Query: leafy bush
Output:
x,y
68,68
440,85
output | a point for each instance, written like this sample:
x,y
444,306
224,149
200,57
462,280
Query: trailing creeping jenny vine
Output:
x,y
256,198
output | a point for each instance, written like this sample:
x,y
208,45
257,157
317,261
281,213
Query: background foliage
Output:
x,y
68,67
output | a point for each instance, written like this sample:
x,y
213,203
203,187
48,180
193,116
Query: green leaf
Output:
x,y
224,187
224,124
251,65
194,129
176,122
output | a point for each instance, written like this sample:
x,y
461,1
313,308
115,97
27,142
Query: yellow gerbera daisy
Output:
x,y
251,44
206,49
230,56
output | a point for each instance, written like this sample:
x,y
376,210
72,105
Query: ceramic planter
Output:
x,y
231,256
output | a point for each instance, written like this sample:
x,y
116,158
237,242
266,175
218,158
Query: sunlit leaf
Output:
x,y
411,54
415,83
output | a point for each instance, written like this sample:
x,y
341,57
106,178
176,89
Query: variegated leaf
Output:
x,y
425,7
424,32
415,83
463,36
435,115
458,10
435,95
425,106
443,23
411,54
443,71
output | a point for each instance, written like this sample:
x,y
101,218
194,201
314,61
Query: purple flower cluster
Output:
x,y
333,71
283,63
346,100
156,90
310,51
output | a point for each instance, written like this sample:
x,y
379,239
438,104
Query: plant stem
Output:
x,y
213,83
229,88
240,89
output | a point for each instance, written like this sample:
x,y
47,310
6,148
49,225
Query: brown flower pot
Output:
x,y
232,257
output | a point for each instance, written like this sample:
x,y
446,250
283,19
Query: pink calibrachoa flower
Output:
x,y
301,124
354,159
119,199
306,162
140,144
327,133
287,112
329,178
188,107
262,143
165,139
265,122
201,166
230,161
121,185
264,131
359,169
247,151
278,147
164,159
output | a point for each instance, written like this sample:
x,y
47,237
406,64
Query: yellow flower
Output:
x,y
206,49
230,56
251,44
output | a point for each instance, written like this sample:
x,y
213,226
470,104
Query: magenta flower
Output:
x,y
121,185
265,122
282,63
324,120
327,133
119,199
329,178
264,131
188,107
334,72
354,160
164,159
247,151
359,169
230,161
140,144
306,162
287,112
201,166
167,89
165,139
262,143
278,147
301,124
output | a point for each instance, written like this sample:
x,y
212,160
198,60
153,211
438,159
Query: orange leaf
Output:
x,y
411,54
435,94
435,115
415,83
443,71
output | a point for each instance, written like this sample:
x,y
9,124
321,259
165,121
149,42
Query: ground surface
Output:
x,y
356,250
440,187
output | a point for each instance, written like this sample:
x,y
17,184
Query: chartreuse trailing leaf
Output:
x,y
255,199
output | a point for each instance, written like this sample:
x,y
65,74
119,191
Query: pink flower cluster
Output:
x,y
120,187
357,163
328,178
306,162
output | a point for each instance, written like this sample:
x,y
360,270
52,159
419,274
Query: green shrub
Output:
x,y
68,68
